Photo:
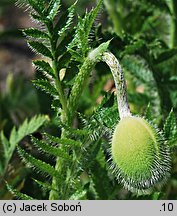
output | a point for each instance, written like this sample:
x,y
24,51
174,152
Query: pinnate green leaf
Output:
x,y
53,9
35,33
18,194
37,5
68,23
83,29
29,127
36,163
62,141
49,149
44,66
40,48
16,135
45,186
45,85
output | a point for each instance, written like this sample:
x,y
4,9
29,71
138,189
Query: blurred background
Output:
x,y
144,38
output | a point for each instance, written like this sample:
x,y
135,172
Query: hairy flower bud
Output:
x,y
140,154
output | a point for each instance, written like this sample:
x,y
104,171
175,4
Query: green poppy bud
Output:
x,y
140,154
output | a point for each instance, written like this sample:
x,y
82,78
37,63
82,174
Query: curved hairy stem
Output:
x,y
119,80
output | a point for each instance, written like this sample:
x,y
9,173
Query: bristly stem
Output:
x,y
72,104
53,44
119,80
60,91
82,77
56,185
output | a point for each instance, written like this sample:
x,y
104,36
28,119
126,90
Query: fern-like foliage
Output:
x,y
47,42
63,52
73,162
80,46
28,127
18,194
